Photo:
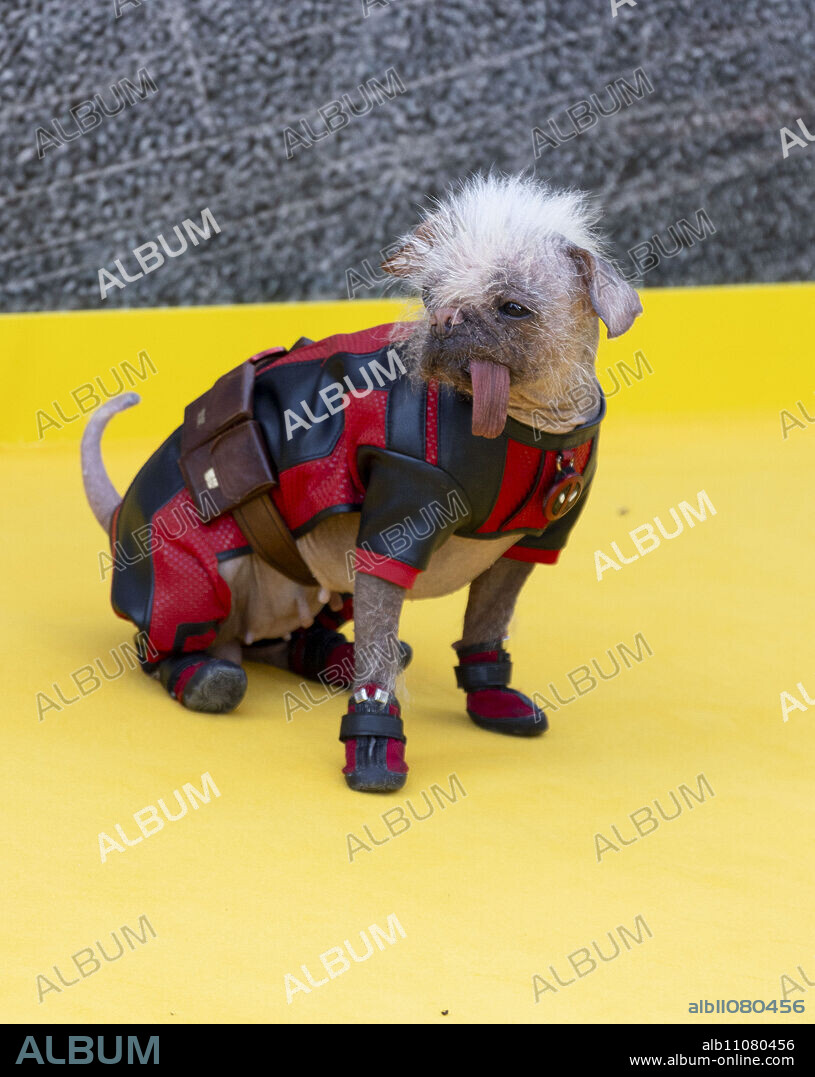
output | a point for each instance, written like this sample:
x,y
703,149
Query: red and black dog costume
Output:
x,y
395,449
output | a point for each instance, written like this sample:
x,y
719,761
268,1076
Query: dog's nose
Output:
x,y
443,319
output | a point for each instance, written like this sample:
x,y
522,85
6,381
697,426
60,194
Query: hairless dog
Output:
x,y
453,449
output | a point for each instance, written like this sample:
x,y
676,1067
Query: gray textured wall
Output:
x,y
478,76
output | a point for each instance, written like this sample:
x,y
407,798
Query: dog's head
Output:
x,y
513,282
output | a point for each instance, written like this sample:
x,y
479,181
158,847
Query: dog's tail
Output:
x,y
99,490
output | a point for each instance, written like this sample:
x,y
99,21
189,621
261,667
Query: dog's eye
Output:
x,y
514,310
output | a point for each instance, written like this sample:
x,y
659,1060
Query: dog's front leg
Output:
x,y
372,728
485,668
491,601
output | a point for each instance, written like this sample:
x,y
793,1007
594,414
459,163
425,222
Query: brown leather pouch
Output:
x,y
226,468
223,458
228,401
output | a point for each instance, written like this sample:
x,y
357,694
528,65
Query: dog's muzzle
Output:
x,y
443,319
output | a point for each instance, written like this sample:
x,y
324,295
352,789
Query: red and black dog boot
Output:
x,y
316,653
374,742
484,672
203,683
320,653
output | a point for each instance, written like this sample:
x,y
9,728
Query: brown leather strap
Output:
x,y
271,539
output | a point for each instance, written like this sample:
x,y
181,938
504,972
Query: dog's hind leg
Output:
x,y
372,729
320,652
484,668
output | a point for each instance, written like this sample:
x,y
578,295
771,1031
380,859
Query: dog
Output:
x,y
454,449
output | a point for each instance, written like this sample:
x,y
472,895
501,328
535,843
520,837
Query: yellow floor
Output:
x,y
503,884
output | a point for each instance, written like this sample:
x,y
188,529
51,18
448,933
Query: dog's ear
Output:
x,y
407,259
614,300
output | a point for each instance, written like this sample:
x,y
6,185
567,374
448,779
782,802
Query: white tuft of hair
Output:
x,y
492,230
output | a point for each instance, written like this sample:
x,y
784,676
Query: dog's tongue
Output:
x,y
490,397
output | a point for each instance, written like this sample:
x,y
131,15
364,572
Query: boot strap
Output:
x,y
473,676
370,717
371,724
172,668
